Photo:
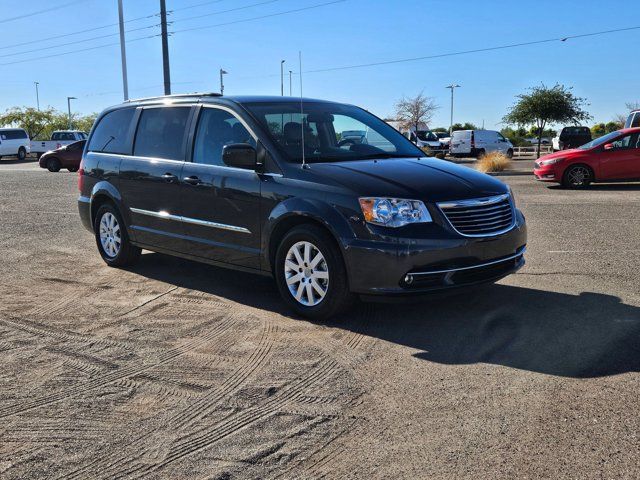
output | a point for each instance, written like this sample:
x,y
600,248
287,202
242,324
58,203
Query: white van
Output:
x,y
475,143
14,142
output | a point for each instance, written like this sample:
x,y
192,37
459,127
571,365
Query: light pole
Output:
x,y
282,78
69,107
290,83
37,95
222,72
123,53
452,87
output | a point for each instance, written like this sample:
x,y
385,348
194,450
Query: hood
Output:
x,y
562,153
426,179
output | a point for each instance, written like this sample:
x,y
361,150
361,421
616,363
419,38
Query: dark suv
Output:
x,y
268,185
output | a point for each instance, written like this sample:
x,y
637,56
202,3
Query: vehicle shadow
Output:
x,y
579,336
604,187
9,160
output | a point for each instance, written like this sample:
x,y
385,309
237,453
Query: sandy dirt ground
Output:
x,y
174,369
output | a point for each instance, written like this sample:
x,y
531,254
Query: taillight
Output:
x,y
81,175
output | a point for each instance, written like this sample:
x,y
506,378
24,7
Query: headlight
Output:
x,y
393,212
552,161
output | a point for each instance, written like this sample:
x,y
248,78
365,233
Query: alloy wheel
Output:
x,y
579,176
306,273
110,238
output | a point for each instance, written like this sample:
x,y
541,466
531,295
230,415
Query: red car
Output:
x,y
611,158
68,157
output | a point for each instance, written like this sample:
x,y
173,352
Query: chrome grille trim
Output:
x,y
480,217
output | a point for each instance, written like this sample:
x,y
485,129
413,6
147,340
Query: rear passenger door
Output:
x,y
221,204
150,178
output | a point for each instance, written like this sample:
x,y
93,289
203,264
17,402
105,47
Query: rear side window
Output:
x,y
110,136
161,133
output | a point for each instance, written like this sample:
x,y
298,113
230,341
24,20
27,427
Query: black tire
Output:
x,y
337,298
127,254
577,176
53,165
510,153
72,169
22,153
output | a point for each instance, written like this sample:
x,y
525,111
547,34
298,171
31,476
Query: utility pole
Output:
x,y
222,72
69,108
290,84
165,48
452,87
123,53
282,78
37,95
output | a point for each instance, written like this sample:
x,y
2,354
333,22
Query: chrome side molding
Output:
x,y
194,221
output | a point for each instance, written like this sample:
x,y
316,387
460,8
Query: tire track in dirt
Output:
x,y
119,374
205,437
190,414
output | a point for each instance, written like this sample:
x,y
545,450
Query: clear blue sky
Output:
x,y
604,69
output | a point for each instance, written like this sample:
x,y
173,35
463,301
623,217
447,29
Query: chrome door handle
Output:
x,y
193,180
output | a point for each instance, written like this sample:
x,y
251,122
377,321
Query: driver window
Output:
x,y
623,143
217,128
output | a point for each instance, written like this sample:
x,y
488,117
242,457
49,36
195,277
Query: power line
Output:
x,y
222,11
260,17
38,12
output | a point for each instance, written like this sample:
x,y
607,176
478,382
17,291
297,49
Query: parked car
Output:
x,y
14,142
633,120
59,139
252,183
475,143
572,137
424,138
68,157
612,157
444,138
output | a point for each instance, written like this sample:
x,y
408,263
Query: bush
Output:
x,y
493,162
427,151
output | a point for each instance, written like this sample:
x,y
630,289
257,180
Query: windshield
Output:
x,y
331,132
427,136
600,141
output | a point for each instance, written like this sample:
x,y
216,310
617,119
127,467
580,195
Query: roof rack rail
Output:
x,y
179,95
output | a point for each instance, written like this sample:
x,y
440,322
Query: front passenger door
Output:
x,y
623,160
221,204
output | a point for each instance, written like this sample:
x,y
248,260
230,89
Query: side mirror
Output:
x,y
609,146
240,155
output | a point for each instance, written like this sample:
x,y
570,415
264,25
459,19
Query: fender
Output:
x,y
314,209
105,189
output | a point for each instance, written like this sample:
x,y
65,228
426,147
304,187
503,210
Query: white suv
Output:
x,y
14,141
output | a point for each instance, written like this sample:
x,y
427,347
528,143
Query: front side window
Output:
x,y
161,133
76,145
329,132
217,128
111,134
626,142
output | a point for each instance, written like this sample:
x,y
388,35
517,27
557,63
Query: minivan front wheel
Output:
x,y
310,273
112,239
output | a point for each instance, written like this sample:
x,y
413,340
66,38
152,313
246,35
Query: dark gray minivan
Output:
x,y
276,186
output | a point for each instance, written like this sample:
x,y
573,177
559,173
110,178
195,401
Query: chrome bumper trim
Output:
x,y
488,264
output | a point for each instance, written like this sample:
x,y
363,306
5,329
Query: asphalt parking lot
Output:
x,y
174,369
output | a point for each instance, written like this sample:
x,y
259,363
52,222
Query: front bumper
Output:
x,y
547,174
414,266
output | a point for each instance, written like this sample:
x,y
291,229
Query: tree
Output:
x,y
84,122
411,112
543,106
35,122
466,126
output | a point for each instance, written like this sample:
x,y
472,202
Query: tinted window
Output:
x,y
161,133
13,134
217,128
76,145
626,142
55,136
110,136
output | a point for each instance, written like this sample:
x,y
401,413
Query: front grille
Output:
x,y
480,217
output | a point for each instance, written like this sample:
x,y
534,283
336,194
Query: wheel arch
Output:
x,y
580,164
105,192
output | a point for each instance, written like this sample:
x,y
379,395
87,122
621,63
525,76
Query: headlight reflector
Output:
x,y
393,212
551,161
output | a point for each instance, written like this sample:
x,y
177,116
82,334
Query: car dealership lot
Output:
x,y
175,369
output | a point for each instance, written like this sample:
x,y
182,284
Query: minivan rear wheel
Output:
x,y
310,273
111,237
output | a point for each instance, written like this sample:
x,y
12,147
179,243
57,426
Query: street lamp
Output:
x,y
222,72
452,87
37,95
69,108
282,78
290,83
